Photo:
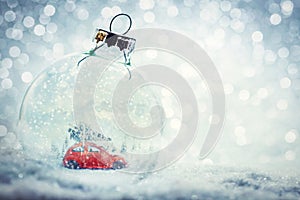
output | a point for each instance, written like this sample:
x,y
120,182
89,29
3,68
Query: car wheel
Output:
x,y
118,165
72,164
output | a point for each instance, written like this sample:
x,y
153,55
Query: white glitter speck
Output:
x,y
17,34
146,4
285,82
275,19
287,7
106,12
24,57
116,10
70,6
10,16
12,3
28,22
6,83
290,136
39,30
257,36
44,19
14,51
82,14
237,25
283,52
172,11
7,63
225,6
49,10
149,17
27,77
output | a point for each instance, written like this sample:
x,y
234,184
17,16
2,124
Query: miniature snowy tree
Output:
x,y
83,132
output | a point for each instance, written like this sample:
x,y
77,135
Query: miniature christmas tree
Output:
x,y
82,132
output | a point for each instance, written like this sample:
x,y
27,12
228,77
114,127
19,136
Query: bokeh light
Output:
x,y
28,22
49,10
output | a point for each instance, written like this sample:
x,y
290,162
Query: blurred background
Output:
x,y
254,44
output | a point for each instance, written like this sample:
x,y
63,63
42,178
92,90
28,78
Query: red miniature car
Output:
x,y
88,155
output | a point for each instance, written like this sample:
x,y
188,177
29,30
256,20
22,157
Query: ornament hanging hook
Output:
x,y
125,44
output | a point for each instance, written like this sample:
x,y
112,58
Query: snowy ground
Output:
x,y
22,178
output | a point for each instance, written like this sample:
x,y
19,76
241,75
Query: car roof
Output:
x,y
86,143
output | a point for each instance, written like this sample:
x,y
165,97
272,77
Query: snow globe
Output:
x,y
47,118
